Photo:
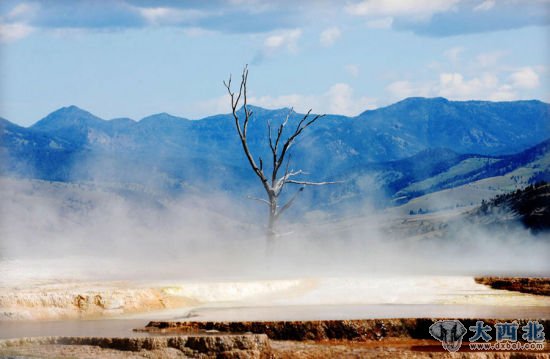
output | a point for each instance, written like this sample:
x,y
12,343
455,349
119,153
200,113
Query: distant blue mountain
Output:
x,y
389,133
407,141
458,169
416,124
70,117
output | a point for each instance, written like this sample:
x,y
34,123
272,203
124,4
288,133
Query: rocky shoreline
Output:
x,y
368,338
277,339
66,301
322,330
192,346
530,285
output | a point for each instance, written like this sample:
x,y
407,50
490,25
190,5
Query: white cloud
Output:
x,y
418,9
15,31
402,89
157,15
222,105
352,69
168,16
503,93
485,5
484,87
339,99
456,86
525,78
22,11
329,36
254,6
483,79
285,39
342,100
453,54
489,59
197,32
14,25
277,42
297,101
211,106
381,23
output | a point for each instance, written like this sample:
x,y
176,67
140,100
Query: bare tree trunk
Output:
x,y
280,148
271,232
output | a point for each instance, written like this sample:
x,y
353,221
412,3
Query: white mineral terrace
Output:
x,y
46,295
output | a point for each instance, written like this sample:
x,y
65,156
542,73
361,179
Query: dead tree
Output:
x,y
273,183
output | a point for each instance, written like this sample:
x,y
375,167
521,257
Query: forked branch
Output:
x,y
242,131
279,147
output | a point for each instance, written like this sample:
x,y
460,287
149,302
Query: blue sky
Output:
x,y
133,58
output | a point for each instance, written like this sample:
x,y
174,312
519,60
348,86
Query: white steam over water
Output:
x,y
313,298
71,251
90,232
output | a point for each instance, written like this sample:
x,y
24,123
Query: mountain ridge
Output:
x,y
405,145
408,100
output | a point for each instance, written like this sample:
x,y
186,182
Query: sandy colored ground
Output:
x,y
259,348
358,330
84,300
86,352
538,286
325,297
397,348
188,346
282,299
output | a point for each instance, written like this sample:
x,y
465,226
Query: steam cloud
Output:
x,y
124,231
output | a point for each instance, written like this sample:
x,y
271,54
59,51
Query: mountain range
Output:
x,y
406,150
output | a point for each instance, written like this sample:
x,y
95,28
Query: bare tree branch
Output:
x,y
269,137
242,132
290,202
279,154
296,133
286,171
247,113
282,127
280,183
306,183
259,200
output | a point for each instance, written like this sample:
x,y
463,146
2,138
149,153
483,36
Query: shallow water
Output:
x,y
330,298
124,327
362,311
96,328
